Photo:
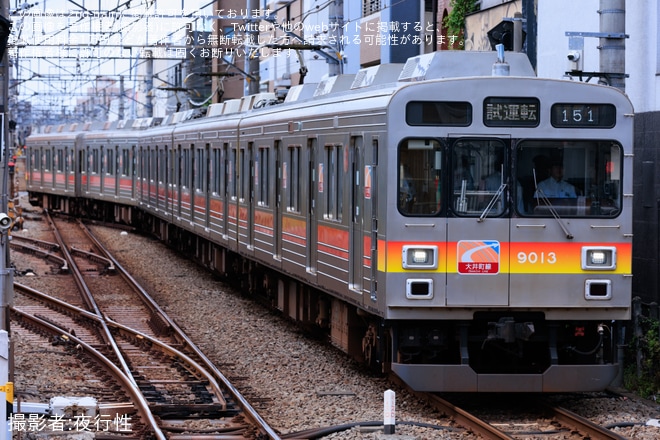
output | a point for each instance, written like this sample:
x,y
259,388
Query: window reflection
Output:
x,y
479,183
571,178
419,177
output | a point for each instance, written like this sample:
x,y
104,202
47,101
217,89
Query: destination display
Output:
x,y
511,112
439,113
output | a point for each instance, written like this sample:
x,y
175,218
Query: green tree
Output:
x,y
455,20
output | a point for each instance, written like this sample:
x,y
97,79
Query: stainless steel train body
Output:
x,y
408,210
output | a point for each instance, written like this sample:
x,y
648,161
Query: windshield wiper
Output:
x,y
492,202
553,211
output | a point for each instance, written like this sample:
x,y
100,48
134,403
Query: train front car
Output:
x,y
507,245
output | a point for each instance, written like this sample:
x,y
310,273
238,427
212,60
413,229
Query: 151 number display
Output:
x,y
583,115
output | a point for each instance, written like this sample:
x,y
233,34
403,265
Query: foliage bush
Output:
x,y
645,378
455,20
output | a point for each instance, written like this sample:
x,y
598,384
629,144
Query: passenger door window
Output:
x,y
479,177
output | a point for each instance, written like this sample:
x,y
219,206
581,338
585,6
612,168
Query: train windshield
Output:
x,y
479,177
419,177
543,178
568,178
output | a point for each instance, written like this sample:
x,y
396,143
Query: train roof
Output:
x,y
382,79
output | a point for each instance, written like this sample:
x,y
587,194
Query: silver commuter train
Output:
x,y
469,232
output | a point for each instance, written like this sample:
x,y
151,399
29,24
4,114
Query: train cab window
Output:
x,y
572,178
419,171
479,177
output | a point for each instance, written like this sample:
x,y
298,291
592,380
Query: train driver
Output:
x,y
555,186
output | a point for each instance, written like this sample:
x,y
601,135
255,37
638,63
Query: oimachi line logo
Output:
x,y
478,257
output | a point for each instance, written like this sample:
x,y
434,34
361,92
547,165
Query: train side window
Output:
x,y
333,185
231,174
110,162
216,171
293,179
244,175
162,164
94,161
570,178
199,170
176,164
185,169
59,161
263,176
125,163
153,164
70,157
419,171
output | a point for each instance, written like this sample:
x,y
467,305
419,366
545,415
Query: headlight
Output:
x,y
598,258
420,257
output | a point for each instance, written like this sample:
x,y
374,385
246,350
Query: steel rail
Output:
x,y
41,252
467,420
89,299
250,412
140,402
582,425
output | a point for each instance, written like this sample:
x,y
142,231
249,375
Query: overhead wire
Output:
x,y
83,72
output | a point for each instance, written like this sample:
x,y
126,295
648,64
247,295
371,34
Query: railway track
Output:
x,y
527,417
171,383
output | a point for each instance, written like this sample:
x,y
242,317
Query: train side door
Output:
x,y
165,162
132,170
66,166
277,215
250,199
233,181
207,184
178,178
103,168
312,223
356,268
225,194
478,223
117,170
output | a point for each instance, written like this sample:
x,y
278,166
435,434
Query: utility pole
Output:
x,y
6,273
252,60
336,18
612,45
613,41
